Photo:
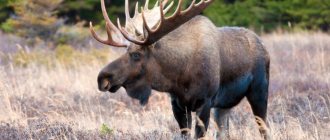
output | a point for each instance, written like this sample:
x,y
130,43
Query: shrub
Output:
x,y
63,55
105,130
269,15
24,58
72,34
33,18
8,26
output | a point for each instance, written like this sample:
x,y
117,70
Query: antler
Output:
x,y
165,24
115,37
135,25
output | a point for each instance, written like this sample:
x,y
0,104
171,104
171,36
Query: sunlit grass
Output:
x,y
54,95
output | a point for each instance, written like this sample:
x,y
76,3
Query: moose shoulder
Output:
x,y
200,62
200,65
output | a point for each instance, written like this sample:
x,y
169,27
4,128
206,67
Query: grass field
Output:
x,y
63,102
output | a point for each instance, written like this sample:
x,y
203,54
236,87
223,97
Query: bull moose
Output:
x,y
200,65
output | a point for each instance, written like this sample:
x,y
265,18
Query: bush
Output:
x,y
25,58
40,17
8,26
63,55
105,130
269,15
34,18
72,34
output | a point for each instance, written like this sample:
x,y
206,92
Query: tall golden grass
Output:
x,y
63,102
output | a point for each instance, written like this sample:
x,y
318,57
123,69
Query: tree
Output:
x,y
5,10
268,15
260,15
33,18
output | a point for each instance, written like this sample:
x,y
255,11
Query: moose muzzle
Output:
x,y
104,83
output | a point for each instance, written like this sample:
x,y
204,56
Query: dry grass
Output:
x,y
63,102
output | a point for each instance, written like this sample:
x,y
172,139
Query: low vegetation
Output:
x,y
52,94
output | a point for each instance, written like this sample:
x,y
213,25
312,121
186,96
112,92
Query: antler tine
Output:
x,y
167,24
94,34
146,5
126,35
178,9
109,27
109,41
179,17
127,15
146,29
156,4
201,4
106,17
164,2
168,7
136,9
190,6
145,26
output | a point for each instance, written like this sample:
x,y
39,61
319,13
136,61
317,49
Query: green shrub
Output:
x,y
105,130
68,56
269,15
34,18
8,26
24,59
64,54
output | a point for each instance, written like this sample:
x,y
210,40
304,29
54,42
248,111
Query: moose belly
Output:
x,y
231,93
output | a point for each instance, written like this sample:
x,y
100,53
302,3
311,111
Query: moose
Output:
x,y
201,66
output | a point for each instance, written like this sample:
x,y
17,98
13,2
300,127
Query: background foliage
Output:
x,y
268,15
45,16
33,18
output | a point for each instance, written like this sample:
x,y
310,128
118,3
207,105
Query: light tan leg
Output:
x,y
263,128
221,117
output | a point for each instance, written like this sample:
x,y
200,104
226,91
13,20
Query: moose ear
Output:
x,y
140,92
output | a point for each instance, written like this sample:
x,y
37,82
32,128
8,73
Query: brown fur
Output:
x,y
200,65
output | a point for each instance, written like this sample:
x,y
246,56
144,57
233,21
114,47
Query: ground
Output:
x,y
63,102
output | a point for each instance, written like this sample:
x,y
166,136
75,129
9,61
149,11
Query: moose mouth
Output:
x,y
107,86
114,88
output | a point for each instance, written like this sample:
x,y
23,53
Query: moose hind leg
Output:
x,y
257,97
259,108
221,117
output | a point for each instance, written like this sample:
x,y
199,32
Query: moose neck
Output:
x,y
180,52
162,68
170,62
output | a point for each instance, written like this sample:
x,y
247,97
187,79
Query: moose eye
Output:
x,y
135,56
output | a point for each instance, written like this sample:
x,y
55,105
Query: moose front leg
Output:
x,y
183,117
202,120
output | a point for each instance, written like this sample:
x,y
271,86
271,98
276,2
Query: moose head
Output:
x,y
137,69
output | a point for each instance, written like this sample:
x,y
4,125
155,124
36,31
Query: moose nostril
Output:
x,y
104,80
110,77
105,83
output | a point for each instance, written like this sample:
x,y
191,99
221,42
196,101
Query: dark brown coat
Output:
x,y
201,66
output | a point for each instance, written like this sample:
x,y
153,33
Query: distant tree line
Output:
x,y
260,15
268,15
